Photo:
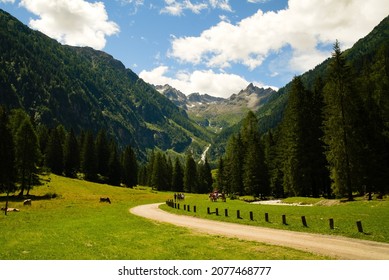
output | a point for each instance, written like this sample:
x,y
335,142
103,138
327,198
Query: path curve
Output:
x,y
333,246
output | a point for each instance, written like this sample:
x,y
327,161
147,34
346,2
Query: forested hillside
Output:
x,y
325,133
83,89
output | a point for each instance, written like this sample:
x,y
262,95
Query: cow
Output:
x,y
27,202
105,199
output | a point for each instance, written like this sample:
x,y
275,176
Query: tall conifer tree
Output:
x,y
341,131
71,155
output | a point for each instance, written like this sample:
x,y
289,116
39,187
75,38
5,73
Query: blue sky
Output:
x,y
207,46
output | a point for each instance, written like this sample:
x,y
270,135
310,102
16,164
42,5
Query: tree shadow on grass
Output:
x,y
18,198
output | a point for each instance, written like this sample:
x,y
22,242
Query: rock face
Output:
x,y
218,112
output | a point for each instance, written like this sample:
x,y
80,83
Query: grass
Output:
x,y
374,215
76,226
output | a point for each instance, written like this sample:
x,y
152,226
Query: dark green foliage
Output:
x,y
243,169
190,175
342,134
159,174
71,155
234,159
299,147
130,167
102,153
88,157
116,169
54,159
255,173
204,175
27,154
177,177
7,154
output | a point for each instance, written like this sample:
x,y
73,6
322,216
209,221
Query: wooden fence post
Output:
x,y
226,212
217,211
188,208
267,217
284,219
332,223
359,226
194,208
304,221
208,210
238,214
251,216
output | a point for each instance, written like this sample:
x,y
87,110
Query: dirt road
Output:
x,y
333,246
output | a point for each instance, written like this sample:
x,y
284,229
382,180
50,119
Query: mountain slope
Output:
x,y
361,57
85,89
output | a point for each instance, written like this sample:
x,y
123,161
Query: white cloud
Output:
x,y
257,1
303,25
205,81
221,4
7,1
72,22
177,7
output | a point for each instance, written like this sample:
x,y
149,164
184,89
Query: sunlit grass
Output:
x,y
75,225
374,215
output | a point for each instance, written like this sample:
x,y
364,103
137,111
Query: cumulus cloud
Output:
x,y
72,22
204,81
303,26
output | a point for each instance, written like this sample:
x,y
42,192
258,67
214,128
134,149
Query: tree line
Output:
x,y
27,149
332,141
181,174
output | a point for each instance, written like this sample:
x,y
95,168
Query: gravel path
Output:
x,y
333,246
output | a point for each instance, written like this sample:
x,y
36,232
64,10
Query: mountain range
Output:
x,y
216,112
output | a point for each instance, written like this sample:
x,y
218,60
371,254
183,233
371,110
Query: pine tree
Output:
x,y
71,155
102,153
178,177
190,175
204,177
88,157
27,154
341,135
54,152
114,173
130,167
272,164
221,177
255,174
159,179
234,160
7,155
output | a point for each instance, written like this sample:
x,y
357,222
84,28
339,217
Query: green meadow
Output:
x,y
374,215
66,221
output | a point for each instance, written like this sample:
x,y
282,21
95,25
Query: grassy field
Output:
x,y
374,215
75,225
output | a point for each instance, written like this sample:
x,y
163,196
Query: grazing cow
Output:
x,y
27,202
105,199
